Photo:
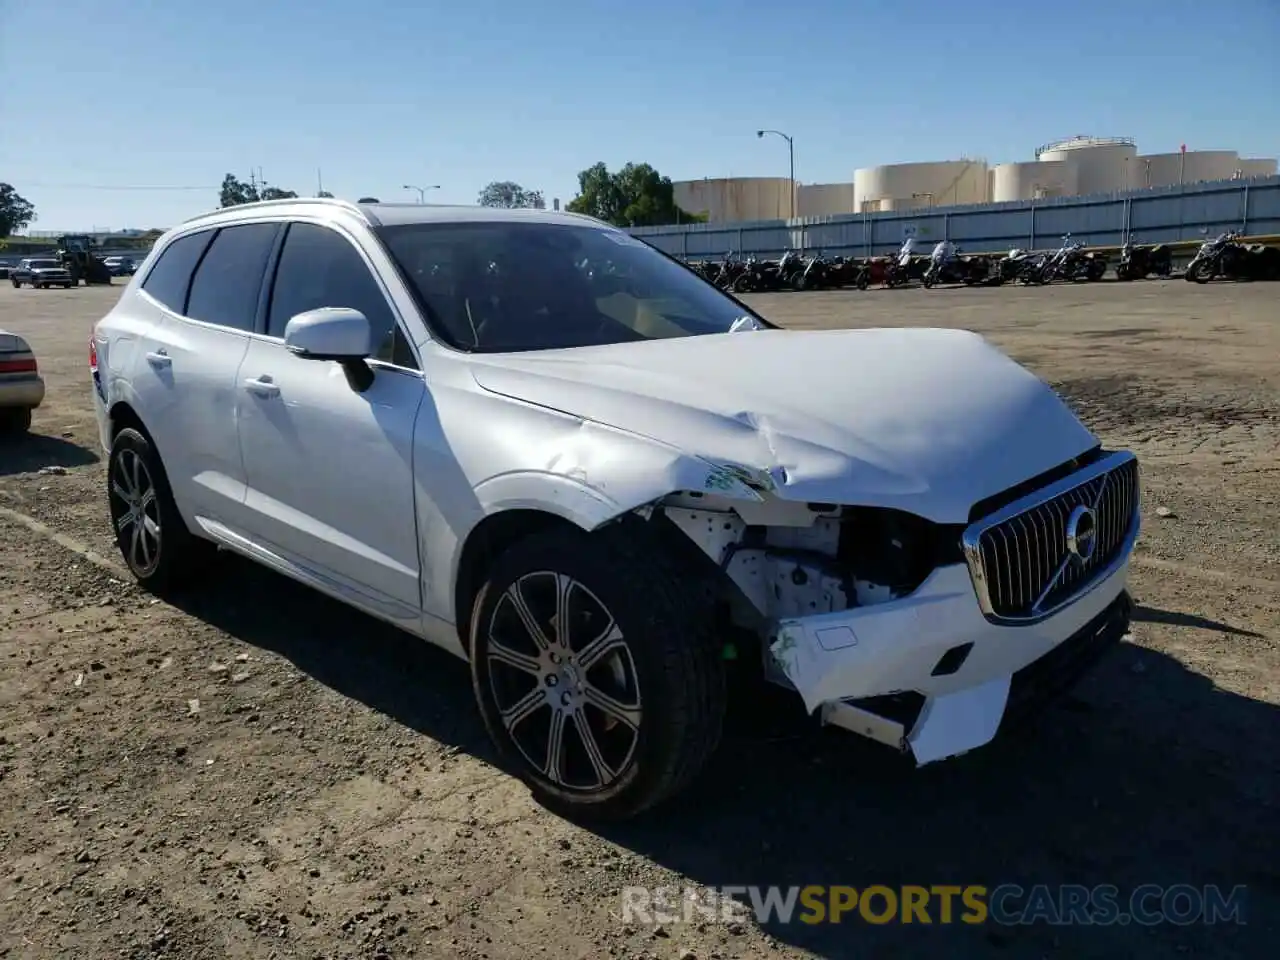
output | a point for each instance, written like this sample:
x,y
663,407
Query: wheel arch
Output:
x,y
488,539
120,415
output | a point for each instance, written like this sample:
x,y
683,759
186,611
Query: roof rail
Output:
x,y
284,202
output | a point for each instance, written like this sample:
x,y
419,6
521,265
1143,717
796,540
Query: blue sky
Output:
x,y
377,94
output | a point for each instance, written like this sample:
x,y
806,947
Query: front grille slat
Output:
x,y
1017,555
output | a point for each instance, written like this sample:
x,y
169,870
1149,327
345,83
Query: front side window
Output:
x,y
228,281
320,268
493,286
170,277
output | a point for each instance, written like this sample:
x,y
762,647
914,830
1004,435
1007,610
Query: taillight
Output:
x,y
18,366
93,356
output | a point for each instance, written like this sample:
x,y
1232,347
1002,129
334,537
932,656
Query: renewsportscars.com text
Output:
x,y
1006,904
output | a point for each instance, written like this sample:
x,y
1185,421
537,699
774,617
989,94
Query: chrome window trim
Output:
x,y
971,539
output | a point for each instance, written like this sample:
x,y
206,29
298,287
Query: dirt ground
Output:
x,y
263,773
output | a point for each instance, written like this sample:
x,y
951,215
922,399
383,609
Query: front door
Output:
x,y
330,470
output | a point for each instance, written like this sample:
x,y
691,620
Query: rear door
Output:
x,y
209,291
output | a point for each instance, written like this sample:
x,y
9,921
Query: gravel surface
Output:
x,y
263,773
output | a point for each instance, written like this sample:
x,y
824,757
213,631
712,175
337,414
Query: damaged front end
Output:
x,y
919,634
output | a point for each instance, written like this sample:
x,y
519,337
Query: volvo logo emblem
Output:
x,y
1082,533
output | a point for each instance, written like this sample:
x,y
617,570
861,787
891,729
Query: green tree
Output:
x,y
508,193
16,212
635,196
235,192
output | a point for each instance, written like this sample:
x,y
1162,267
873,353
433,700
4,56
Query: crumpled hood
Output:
x,y
925,420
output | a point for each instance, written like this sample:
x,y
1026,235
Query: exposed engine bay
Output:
x,y
790,559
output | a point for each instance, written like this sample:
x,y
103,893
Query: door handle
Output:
x,y
158,358
262,387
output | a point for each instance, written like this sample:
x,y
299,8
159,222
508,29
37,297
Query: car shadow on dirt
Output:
x,y
31,452
1147,773
1143,614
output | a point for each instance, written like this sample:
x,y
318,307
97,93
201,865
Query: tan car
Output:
x,y
21,386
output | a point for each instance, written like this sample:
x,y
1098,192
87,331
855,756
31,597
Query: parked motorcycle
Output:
x,y
1073,262
1009,267
946,265
1138,263
1225,256
1033,269
848,272
897,272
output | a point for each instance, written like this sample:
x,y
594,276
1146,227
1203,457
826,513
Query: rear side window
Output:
x,y
321,268
228,281
170,278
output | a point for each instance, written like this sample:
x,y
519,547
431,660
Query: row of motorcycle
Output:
x,y
1224,256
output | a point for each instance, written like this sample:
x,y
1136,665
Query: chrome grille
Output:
x,y
1019,557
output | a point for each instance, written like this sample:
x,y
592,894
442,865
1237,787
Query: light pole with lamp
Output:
x,y
791,152
422,191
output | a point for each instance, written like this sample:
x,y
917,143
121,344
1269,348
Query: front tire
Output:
x,y
596,672
158,548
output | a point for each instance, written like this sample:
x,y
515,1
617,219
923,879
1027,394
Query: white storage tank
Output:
x,y
1257,167
1033,180
1171,169
1102,163
824,199
944,183
735,199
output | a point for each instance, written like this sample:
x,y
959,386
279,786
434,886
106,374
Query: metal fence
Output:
x,y
1157,215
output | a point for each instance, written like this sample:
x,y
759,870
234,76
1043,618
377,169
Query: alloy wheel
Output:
x,y
135,508
564,681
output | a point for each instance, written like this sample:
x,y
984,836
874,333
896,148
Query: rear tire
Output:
x,y
14,420
157,547
16,284
630,663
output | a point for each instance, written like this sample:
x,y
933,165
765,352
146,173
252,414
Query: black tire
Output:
x,y
863,281
169,555
14,420
16,284
1200,272
666,672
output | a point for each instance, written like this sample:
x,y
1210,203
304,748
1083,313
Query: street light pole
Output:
x,y
791,153
422,191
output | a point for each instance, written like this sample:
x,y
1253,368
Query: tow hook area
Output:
x,y
933,729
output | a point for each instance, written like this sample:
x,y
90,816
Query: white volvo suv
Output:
x,y
552,450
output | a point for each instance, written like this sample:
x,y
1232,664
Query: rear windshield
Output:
x,y
491,287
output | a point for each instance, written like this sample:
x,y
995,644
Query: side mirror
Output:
x,y
333,333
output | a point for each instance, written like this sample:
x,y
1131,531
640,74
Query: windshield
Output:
x,y
44,264
494,287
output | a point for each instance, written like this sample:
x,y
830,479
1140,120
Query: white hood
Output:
x,y
928,421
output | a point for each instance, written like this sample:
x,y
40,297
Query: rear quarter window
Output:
x,y
170,277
